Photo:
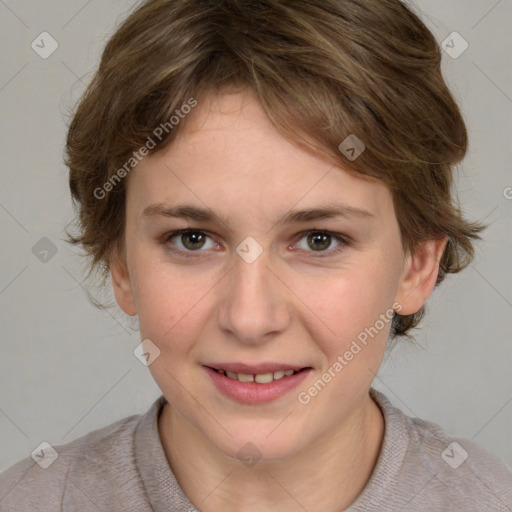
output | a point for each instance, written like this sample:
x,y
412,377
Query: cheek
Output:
x,y
347,307
173,302
162,297
352,301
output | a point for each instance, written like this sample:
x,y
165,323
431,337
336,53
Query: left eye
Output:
x,y
319,241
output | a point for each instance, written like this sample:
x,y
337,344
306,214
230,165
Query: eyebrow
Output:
x,y
205,214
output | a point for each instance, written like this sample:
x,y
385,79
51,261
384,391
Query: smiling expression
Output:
x,y
328,263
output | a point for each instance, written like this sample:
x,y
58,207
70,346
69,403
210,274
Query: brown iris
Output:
x,y
322,240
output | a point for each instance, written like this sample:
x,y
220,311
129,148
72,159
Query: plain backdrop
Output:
x,y
67,368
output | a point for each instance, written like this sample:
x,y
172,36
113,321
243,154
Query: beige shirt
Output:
x,y
123,467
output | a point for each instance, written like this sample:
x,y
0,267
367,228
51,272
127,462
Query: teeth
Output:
x,y
260,378
264,378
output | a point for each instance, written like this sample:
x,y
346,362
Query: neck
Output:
x,y
318,477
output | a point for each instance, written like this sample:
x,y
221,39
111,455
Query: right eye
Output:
x,y
188,240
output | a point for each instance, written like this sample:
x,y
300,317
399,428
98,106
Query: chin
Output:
x,y
261,448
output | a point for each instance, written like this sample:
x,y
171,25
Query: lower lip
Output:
x,y
253,392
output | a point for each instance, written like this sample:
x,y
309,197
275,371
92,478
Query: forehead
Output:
x,y
229,157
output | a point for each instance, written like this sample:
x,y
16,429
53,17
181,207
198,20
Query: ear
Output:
x,y
419,275
121,283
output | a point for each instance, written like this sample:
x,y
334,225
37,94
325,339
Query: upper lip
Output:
x,y
254,368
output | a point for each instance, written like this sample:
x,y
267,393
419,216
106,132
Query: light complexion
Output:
x,y
318,283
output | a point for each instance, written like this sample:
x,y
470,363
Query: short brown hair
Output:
x,y
322,69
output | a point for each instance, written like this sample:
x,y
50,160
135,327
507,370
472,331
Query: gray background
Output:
x,y
67,368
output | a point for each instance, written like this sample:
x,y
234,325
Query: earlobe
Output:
x,y
420,275
122,284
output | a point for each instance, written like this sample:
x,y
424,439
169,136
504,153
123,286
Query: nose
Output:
x,y
254,307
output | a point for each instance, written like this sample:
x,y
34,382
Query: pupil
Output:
x,y
196,238
319,238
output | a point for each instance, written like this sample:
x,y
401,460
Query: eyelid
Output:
x,y
343,240
168,236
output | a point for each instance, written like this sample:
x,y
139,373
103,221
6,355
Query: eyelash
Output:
x,y
342,239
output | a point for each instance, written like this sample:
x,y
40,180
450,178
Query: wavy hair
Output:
x,y
322,69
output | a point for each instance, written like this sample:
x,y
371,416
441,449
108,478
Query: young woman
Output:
x,y
268,185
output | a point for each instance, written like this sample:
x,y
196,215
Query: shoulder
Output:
x,y
450,472
462,467
55,472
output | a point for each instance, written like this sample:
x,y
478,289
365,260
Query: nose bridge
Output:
x,y
254,304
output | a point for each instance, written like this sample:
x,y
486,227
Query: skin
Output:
x,y
289,305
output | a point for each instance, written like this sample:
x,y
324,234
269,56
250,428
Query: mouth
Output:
x,y
260,378
256,384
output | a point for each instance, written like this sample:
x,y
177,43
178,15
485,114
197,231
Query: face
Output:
x,y
264,279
